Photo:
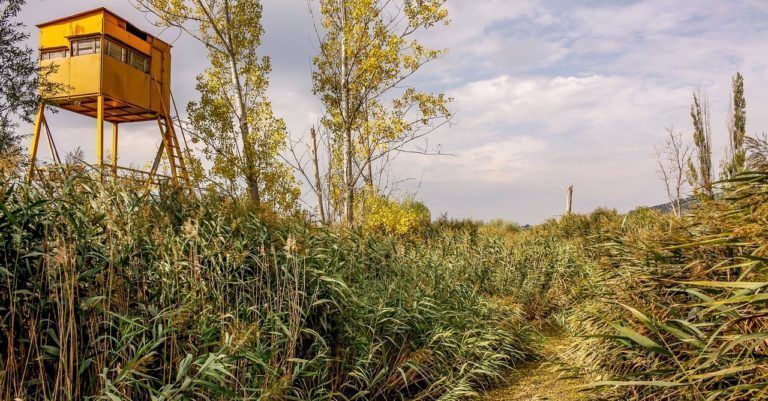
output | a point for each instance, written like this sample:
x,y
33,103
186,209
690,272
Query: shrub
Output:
x,y
388,216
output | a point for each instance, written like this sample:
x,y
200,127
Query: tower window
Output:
x,y
52,54
86,46
139,62
115,51
127,56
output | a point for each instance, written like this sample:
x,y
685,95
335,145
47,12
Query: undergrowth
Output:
x,y
681,312
112,293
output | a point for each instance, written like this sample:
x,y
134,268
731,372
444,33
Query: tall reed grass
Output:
x,y
108,292
682,311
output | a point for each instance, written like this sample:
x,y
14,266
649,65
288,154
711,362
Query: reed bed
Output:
x,y
682,309
110,293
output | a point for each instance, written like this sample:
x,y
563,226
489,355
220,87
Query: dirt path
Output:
x,y
548,379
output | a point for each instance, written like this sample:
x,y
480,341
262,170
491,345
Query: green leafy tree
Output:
x,y
367,55
20,74
233,119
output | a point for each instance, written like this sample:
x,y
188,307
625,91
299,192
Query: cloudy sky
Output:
x,y
547,94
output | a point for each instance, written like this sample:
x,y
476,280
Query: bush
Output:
x,y
388,216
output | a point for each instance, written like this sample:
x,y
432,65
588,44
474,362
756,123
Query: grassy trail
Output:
x,y
550,378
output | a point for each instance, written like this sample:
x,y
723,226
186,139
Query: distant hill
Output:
x,y
685,204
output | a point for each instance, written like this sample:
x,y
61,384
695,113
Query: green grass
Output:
x,y
110,293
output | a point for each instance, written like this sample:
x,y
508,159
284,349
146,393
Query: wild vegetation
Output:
x,y
113,291
110,292
116,294
681,311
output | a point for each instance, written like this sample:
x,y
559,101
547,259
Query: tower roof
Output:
x,y
98,11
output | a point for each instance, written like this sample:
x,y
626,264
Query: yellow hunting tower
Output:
x,y
109,70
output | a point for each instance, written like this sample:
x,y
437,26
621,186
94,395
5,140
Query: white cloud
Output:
x,y
505,161
640,18
548,93
559,105
537,135
496,51
470,19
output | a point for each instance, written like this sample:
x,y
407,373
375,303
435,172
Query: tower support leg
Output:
x,y
100,132
114,149
51,144
36,140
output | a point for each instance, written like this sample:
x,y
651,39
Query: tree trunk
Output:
x,y
369,179
251,174
349,186
369,152
318,183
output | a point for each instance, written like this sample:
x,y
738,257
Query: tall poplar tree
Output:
x,y
737,129
367,55
233,118
701,169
